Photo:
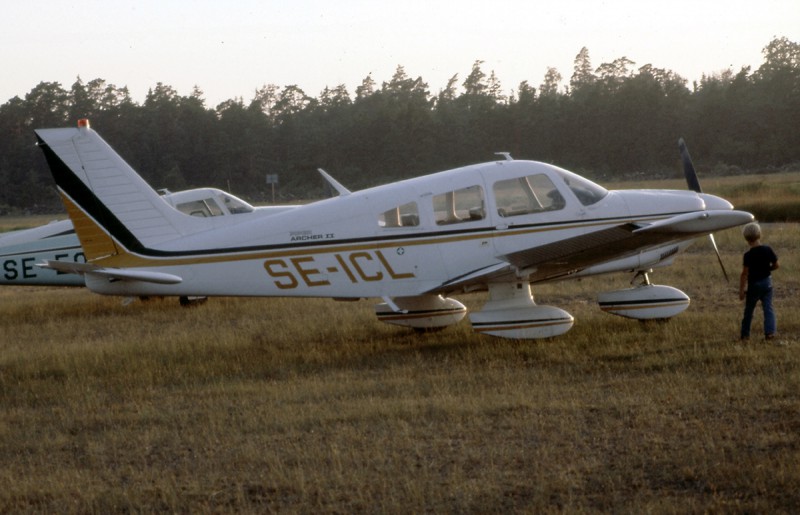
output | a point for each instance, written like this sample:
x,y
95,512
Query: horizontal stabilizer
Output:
x,y
111,273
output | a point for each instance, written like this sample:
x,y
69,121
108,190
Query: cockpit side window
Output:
x,y
458,206
526,195
406,215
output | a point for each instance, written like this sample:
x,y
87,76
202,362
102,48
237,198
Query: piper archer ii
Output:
x,y
500,227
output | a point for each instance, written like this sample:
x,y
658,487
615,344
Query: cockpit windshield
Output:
x,y
586,191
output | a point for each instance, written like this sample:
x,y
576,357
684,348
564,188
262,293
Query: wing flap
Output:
x,y
488,272
570,255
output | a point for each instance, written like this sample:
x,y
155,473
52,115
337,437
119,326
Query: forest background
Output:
x,y
614,122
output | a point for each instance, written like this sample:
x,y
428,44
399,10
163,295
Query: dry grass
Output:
x,y
254,405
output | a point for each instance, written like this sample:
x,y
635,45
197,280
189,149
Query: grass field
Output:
x,y
276,405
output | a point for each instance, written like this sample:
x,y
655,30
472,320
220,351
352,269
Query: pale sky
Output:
x,y
230,48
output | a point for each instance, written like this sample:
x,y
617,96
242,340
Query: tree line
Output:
x,y
613,121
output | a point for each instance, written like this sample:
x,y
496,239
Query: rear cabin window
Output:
x,y
458,206
526,195
406,215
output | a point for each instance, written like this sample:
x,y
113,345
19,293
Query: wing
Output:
x,y
571,255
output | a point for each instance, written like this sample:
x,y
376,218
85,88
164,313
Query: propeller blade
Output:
x,y
694,184
688,168
719,258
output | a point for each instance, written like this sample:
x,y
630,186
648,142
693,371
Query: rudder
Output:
x,y
95,180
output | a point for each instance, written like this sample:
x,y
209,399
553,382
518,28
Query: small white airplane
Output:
x,y
21,250
498,227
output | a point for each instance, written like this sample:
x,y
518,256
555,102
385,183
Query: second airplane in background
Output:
x,y
21,250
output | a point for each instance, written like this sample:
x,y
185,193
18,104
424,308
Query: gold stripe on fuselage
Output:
x,y
124,258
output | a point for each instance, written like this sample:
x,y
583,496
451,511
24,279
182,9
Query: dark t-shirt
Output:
x,y
758,261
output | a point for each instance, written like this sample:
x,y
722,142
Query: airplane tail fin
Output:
x,y
111,206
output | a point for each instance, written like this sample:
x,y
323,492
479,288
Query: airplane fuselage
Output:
x,y
348,247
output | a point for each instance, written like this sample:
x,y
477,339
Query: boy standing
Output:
x,y
755,283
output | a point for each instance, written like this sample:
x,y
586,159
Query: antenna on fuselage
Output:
x,y
334,183
507,155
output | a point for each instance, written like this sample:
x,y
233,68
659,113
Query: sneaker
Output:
x,y
769,337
